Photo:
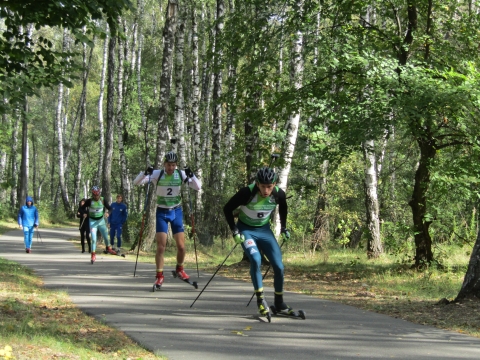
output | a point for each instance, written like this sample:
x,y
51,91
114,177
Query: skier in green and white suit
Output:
x,y
169,210
256,203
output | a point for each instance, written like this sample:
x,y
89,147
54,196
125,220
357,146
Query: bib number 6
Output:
x,y
260,215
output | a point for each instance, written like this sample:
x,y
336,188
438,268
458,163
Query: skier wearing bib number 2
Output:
x,y
256,203
169,210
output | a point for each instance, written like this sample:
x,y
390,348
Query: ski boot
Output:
x,y
93,257
182,275
111,251
118,251
159,282
263,309
285,310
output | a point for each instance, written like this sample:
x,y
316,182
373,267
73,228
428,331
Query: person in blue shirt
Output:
x,y
28,220
116,219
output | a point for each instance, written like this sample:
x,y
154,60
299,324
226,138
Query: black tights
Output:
x,y
85,233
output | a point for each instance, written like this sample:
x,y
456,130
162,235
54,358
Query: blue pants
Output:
x,y
102,227
28,236
261,238
116,228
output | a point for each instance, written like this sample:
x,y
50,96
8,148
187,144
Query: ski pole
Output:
x,y
266,272
192,220
80,228
39,236
141,228
214,275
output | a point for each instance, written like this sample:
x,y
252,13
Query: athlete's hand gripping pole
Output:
x,y
149,171
231,251
266,272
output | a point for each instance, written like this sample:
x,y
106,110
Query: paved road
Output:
x,y
220,326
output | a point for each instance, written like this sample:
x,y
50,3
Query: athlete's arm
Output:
x,y
240,198
282,207
144,179
193,182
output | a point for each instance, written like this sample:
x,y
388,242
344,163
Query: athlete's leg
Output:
x,y
119,235
93,231
161,237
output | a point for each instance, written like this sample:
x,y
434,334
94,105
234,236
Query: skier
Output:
x,y
169,210
96,210
256,203
116,220
84,226
28,220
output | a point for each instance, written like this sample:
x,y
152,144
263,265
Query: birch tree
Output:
x,y
101,129
162,127
109,133
293,121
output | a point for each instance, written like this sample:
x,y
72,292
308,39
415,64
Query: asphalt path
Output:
x,y
219,325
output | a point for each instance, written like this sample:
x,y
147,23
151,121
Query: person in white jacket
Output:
x,y
169,210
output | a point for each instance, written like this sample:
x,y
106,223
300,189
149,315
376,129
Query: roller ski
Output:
x,y
285,310
182,275
264,310
118,251
158,282
93,257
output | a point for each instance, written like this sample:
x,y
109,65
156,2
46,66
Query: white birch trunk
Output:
x,y
59,120
374,247
13,192
110,128
124,176
179,124
162,127
293,120
215,181
139,81
101,130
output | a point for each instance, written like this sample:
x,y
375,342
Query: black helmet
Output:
x,y
171,157
266,176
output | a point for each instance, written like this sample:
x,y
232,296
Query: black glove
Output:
x,y
285,234
188,172
149,171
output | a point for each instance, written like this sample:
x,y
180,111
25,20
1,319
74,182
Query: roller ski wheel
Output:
x,y
187,280
264,310
288,311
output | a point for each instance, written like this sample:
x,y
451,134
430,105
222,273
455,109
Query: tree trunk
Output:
x,y
107,160
98,176
13,192
418,203
141,105
162,127
471,282
293,121
179,123
23,175
124,176
60,142
215,182
83,119
374,243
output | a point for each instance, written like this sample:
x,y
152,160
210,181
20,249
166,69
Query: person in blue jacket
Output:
x,y
28,220
116,219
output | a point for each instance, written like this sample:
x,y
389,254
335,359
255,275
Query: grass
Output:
x,y
36,323
383,285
